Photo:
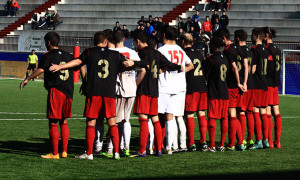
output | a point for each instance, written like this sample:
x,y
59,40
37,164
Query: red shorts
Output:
x,y
246,100
217,108
197,101
260,98
273,96
59,106
95,104
234,97
146,105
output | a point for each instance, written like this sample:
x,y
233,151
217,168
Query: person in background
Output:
x,y
46,20
117,27
217,25
180,23
207,2
150,19
7,7
141,21
54,19
197,15
213,4
155,24
148,29
207,27
197,25
32,63
35,21
125,32
224,20
188,25
224,5
214,16
13,8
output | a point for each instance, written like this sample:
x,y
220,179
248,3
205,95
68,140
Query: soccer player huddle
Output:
x,y
166,86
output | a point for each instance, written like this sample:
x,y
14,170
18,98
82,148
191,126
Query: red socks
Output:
x,y
250,125
242,120
257,125
90,136
144,132
232,130
114,135
64,136
265,125
212,126
202,128
157,134
54,137
278,125
163,131
224,129
190,125
270,134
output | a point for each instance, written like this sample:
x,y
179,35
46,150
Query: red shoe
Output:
x,y
278,145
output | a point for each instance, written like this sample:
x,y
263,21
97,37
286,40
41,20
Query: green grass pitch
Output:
x,y
24,137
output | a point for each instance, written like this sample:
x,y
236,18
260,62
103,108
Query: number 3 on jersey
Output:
x,y
65,73
105,72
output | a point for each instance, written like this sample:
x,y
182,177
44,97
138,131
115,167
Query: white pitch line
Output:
x,y
76,115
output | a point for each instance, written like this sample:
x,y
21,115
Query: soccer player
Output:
x,y
196,97
60,89
172,84
216,70
274,81
146,102
126,93
260,62
103,66
32,63
235,89
245,104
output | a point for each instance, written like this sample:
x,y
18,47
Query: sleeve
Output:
x,y
230,56
144,61
44,62
207,66
165,63
84,56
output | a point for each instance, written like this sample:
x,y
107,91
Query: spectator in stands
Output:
x,y
224,5
7,7
136,31
148,29
125,32
35,21
207,27
180,23
197,15
161,24
197,25
217,25
154,33
218,5
142,27
155,24
207,5
213,4
188,25
13,8
117,27
141,21
224,20
46,21
214,16
54,19
150,19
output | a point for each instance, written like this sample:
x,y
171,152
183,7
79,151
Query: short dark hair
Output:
x,y
142,36
271,31
241,34
223,32
52,37
99,37
32,50
118,36
109,35
215,44
152,41
170,33
259,32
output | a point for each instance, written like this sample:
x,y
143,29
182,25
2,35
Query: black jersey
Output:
x,y
245,52
61,80
275,55
216,68
152,60
260,59
195,80
103,65
231,54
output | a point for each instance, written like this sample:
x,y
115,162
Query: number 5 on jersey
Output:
x,y
65,73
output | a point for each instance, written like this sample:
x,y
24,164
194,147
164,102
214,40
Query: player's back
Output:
x,y
103,65
245,52
195,78
260,59
217,69
61,80
230,52
172,82
127,78
275,53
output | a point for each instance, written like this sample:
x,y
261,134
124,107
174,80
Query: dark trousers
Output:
x,y
13,10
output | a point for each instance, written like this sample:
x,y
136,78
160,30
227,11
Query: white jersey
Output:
x,y
172,82
127,79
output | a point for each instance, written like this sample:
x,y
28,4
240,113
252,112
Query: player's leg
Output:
x,y
150,137
170,131
223,104
120,112
114,135
242,120
202,128
265,126
182,133
175,146
213,112
157,134
270,126
257,129
191,103
127,126
99,134
54,139
278,125
64,130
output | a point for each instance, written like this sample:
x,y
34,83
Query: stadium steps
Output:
x,y
179,10
24,19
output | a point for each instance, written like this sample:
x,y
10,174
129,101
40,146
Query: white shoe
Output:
x,y
117,156
14,16
212,149
8,16
170,152
85,156
151,152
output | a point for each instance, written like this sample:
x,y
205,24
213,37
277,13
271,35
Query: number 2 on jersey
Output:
x,y
65,73
198,71
104,68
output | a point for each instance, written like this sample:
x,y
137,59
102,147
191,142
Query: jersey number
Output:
x,y
249,64
277,63
223,70
239,64
198,71
264,66
154,69
105,72
174,55
65,73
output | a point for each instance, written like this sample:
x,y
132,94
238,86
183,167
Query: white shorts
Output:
x,y
171,103
123,108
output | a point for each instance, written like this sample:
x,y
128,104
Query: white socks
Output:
x,y
182,131
170,133
98,143
151,135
